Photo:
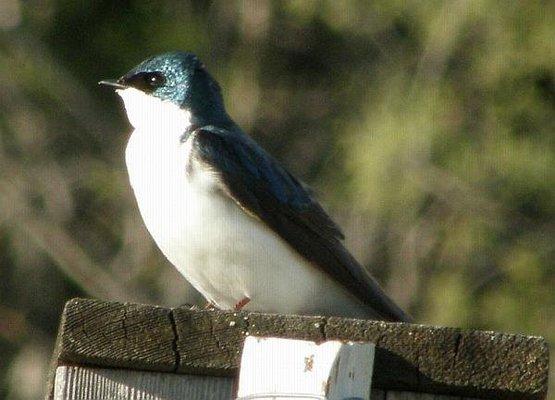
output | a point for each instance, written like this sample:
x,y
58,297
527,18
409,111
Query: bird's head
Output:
x,y
175,80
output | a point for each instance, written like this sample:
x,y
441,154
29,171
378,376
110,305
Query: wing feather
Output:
x,y
260,186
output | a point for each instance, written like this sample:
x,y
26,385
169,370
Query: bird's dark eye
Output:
x,y
154,79
145,81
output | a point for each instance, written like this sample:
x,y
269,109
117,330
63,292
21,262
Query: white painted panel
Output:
x,y
83,383
275,368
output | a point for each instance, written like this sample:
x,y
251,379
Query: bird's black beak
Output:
x,y
117,84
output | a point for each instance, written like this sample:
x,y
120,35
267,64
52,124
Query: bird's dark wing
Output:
x,y
259,185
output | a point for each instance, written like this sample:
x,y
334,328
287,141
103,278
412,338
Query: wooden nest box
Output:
x,y
108,350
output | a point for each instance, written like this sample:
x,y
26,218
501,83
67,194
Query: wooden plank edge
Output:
x,y
209,343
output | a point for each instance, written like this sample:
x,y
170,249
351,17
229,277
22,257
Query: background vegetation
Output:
x,y
426,128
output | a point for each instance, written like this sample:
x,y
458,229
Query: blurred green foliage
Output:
x,y
427,128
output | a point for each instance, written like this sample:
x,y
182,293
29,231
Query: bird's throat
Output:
x,y
147,112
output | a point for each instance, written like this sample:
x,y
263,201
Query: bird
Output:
x,y
235,223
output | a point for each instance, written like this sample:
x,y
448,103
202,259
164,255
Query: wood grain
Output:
x,y
85,383
392,395
117,335
409,357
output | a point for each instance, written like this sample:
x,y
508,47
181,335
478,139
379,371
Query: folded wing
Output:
x,y
265,190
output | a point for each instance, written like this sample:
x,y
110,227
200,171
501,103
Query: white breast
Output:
x,y
224,253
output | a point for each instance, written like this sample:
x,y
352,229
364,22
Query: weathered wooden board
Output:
x,y
377,394
86,383
469,363
409,357
393,395
117,335
417,396
82,383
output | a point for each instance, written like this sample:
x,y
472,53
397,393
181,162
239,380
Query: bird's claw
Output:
x,y
242,304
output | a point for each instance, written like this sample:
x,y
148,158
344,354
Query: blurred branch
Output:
x,y
72,260
13,324
51,238
442,34
40,70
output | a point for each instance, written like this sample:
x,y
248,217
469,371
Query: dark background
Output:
x,y
425,128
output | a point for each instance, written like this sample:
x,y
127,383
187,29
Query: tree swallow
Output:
x,y
237,225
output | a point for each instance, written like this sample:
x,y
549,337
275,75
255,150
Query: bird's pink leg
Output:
x,y
241,304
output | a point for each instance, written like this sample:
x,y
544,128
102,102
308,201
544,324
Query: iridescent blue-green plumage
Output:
x,y
186,83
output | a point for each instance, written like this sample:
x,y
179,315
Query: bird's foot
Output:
x,y
192,307
209,306
242,304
